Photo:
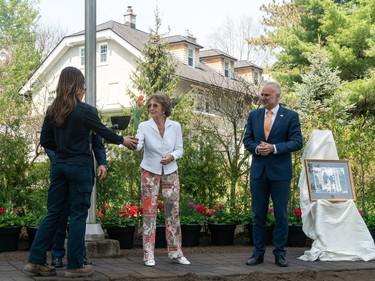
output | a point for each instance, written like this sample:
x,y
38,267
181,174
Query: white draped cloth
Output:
x,y
337,229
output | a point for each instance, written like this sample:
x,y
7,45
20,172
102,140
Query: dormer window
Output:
x,y
191,57
256,78
226,69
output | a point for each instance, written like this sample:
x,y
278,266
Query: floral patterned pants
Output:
x,y
170,187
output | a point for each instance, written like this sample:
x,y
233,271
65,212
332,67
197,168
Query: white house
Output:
x,y
117,47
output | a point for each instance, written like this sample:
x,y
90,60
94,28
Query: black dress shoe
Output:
x,y
86,261
281,261
254,260
57,262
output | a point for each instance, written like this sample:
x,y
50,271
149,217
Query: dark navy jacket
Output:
x,y
285,134
71,143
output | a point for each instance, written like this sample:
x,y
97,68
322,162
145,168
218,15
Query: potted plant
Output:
x,y
31,221
192,219
10,229
296,236
222,223
120,223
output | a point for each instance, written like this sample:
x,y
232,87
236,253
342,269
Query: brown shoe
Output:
x,y
83,271
43,270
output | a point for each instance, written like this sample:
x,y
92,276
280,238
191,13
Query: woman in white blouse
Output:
x,y
162,142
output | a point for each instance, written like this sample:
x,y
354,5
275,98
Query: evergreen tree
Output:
x,y
156,69
344,29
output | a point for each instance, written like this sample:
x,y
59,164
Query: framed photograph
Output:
x,y
329,180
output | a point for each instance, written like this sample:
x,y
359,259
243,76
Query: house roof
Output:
x,y
179,38
136,38
245,64
133,36
214,53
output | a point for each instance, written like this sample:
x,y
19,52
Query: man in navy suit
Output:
x,y
271,168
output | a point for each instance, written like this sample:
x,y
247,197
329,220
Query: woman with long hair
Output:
x,y
66,130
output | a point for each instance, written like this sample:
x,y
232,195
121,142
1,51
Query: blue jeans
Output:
x,y
69,182
58,248
261,190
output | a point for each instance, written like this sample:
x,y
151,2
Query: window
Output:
x,y
256,78
82,55
191,57
103,51
226,69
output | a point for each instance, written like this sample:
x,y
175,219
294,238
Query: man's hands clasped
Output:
x,y
265,148
130,142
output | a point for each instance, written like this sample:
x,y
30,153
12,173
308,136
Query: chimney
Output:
x,y
129,17
190,36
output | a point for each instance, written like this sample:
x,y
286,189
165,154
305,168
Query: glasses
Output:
x,y
153,105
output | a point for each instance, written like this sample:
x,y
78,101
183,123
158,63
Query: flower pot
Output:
x,y
296,236
160,239
190,234
125,235
9,237
222,234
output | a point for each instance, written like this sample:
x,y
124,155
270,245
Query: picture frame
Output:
x,y
330,180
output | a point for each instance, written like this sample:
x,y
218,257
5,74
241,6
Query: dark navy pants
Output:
x,y
69,182
58,242
261,190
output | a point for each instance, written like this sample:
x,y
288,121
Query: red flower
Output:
x,y
140,100
2,210
298,212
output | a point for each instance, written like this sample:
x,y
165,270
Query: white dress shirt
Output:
x,y
155,146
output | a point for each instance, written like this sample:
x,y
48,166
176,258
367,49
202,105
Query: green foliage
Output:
x,y
14,166
344,30
155,71
160,215
247,218
200,170
35,195
123,180
18,60
9,217
32,219
369,220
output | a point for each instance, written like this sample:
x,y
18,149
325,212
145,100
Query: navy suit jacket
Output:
x,y
97,147
285,134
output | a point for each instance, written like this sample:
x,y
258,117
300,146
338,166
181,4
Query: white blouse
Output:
x,y
156,146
